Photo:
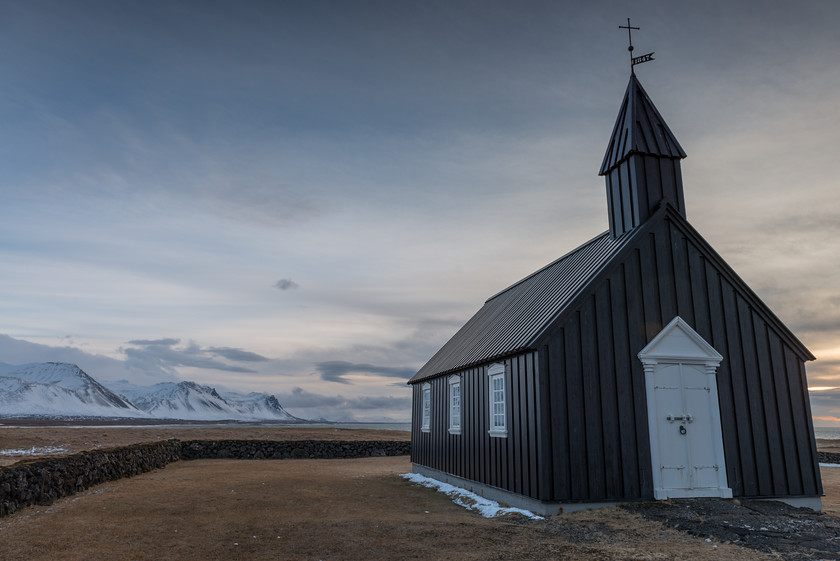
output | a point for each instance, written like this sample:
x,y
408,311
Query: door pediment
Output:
x,y
680,343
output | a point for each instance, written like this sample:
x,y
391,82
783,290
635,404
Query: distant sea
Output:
x,y
828,433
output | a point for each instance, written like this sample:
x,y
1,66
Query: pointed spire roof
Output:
x,y
639,128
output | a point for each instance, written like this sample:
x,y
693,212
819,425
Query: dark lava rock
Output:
x,y
767,526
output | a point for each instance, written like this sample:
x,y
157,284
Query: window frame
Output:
x,y
496,372
426,407
455,420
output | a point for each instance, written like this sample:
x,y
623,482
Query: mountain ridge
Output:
x,y
59,389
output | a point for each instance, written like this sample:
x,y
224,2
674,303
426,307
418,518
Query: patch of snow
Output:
x,y
34,451
468,499
822,465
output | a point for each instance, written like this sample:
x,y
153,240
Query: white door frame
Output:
x,y
678,343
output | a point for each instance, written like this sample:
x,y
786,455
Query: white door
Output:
x,y
684,413
686,442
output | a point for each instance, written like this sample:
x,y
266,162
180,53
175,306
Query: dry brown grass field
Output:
x,y
76,438
310,509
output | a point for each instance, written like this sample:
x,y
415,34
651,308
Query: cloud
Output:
x,y
825,404
368,403
823,372
818,221
167,361
18,351
154,342
338,370
163,355
827,398
237,355
338,407
286,284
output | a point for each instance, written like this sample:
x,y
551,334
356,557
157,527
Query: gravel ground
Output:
x,y
766,526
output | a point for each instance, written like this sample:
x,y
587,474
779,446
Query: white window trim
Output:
x,y
497,371
426,406
455,420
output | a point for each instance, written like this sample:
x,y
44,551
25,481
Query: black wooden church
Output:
x,y
637,366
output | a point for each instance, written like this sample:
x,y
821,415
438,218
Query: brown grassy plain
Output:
x,y
313,509
77,438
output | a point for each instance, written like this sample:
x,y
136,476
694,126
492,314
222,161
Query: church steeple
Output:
x,y
642,163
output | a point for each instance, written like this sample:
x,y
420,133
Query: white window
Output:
x,y
454,405
498,423
426,390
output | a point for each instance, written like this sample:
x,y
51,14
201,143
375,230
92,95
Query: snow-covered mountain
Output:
x,y
188,400
58,389
259,406
64,390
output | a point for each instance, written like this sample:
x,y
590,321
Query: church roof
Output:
x,y
512,319
639,128
517,318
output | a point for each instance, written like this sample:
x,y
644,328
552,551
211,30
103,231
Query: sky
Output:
x,y
308,198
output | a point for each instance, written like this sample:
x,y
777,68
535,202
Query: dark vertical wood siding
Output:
x,y
599,428
637,185
597,409
510,463
577,408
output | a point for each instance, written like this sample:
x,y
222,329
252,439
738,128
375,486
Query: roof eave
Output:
x,y
501,356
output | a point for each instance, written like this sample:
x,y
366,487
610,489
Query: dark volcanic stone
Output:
x,y
767,526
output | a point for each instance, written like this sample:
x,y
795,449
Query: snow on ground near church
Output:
x,y
34,451
467,499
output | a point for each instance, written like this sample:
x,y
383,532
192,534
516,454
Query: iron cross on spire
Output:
x,y
638,59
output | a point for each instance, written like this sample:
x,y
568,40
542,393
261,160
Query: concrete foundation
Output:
x,y
551,508
506,497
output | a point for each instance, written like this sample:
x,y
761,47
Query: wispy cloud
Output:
x,y
339,371
338,407
18,351
237,355
162,354
154,342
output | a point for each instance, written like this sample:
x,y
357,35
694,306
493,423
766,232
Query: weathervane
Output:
x,y
634,60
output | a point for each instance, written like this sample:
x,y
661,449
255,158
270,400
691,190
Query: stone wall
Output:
x,y
829,458
40,482
277,450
